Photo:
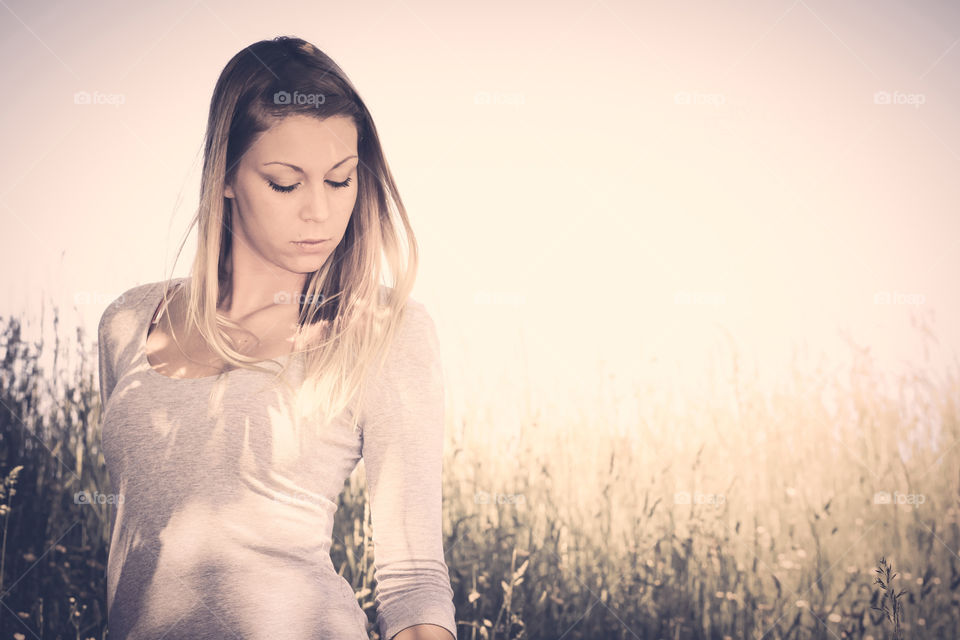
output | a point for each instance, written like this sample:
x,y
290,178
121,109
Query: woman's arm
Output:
x,y
105,357
402,448
424,632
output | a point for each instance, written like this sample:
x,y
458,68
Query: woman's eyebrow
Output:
x,y
298,169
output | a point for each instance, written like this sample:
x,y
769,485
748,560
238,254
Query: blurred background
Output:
x,y
713,236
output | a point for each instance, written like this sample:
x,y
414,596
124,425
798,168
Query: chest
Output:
x,y
174,352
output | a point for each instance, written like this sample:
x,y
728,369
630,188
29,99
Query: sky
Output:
x,y
600,188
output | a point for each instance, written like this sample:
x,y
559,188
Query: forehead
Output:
x,y
307,142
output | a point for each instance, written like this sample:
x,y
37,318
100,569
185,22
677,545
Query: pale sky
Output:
x,y
612,185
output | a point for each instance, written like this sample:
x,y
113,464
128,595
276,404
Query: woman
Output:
x,y
227,470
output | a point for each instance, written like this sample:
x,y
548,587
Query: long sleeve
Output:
x,y
402,449
105,358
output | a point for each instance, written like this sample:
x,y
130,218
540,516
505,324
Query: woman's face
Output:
x,y
297,181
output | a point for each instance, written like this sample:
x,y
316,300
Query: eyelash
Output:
x,y
288,189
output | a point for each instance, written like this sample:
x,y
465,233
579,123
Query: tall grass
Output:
x,y
746,515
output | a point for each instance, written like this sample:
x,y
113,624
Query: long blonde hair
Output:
x,y
356,314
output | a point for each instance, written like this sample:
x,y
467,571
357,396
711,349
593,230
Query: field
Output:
x,y
753,515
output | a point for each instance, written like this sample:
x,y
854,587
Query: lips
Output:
x,y
317,247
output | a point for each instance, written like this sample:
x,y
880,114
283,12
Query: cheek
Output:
x,y
347,210
261,215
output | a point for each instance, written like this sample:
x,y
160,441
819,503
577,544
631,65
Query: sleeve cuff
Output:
x,y
428,608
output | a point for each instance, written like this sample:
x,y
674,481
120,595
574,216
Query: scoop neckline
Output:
x,y
144,334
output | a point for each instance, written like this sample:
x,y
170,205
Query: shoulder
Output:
x,y
415,327
415,339
416,317
126,311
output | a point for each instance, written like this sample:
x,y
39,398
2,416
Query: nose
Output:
x,y
315,206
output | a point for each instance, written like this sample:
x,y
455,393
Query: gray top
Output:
x,y
228,503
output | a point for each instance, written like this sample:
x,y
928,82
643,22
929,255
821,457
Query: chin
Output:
x,y
309,264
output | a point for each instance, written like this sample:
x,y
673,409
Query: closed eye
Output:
x,y
340,185
289,188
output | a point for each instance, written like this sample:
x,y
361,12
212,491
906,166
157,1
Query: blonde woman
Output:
x,y
236,401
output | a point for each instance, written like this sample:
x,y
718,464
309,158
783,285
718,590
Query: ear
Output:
x,y
228,191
